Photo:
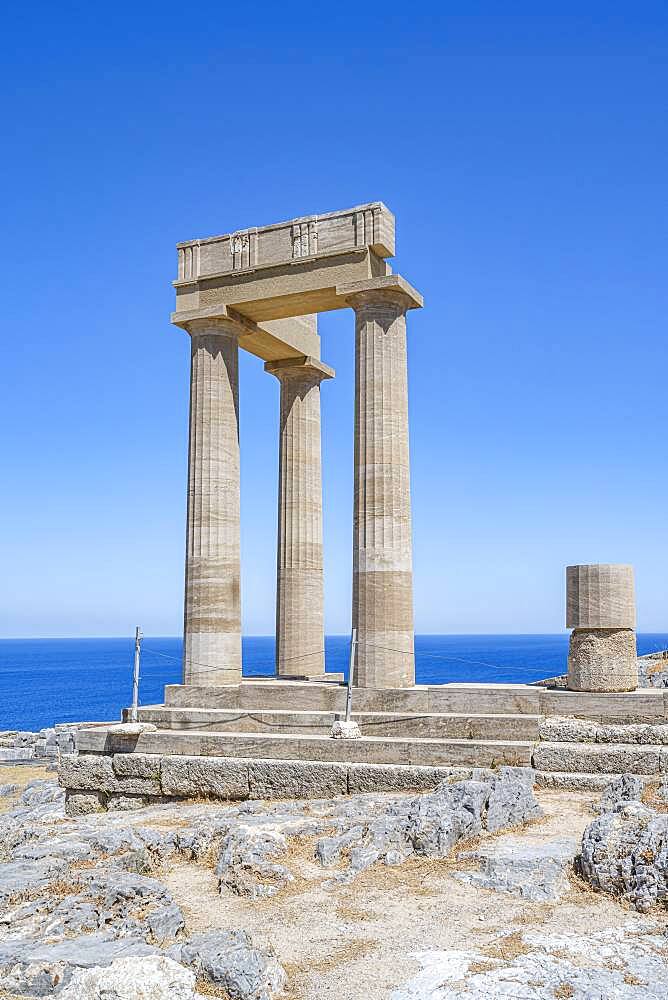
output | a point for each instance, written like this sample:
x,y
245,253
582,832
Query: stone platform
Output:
x,y
271,739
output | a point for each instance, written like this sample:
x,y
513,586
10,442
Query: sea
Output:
x,y
44,681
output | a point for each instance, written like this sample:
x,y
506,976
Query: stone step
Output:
x,y
270,695
584,781
600,758
442,725
646,705
368,749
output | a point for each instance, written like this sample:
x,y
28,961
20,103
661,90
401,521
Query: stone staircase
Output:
x,y
410,737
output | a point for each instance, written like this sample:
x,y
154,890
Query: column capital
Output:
x,y
304,367
214,326
390,289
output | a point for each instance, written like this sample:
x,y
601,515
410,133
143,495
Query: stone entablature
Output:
x,y
258,290
308,236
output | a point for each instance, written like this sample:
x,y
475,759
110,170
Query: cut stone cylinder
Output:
x,y
600,608
212,615
382,556
300,634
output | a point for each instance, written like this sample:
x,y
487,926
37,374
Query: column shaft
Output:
x,y
382,557
299,575
212,615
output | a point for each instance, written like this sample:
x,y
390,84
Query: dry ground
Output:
x,y
355,940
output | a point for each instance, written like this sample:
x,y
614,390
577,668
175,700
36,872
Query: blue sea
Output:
x,y
44,681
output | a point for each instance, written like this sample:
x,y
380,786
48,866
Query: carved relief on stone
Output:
x,y
240,250
188,262
304,239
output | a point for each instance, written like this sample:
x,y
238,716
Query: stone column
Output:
x,y
299,582
600,608
212,616
382,560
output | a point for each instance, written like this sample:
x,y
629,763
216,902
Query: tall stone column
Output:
x,y
600,608
299,581
212,615
382,552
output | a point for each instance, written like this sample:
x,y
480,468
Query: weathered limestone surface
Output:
x,y
206,776
595,758
602,660
382,552
625,850
532,871
296,779
300,634
212,616
92,783
601,611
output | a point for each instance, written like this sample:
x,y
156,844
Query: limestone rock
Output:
x,y
151,978
625,788
511,799
625,853
84,803
33,968
534,871
549,965
228,960
247,864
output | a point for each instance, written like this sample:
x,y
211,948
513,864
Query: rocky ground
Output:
x,y
476,890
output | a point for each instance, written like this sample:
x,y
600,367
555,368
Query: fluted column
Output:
x,y
212,615
299,580
382,549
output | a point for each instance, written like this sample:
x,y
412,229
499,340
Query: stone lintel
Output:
x,y
299,367
282,290
391,285
271,341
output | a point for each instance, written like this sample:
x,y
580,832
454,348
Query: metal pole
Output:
x,y
351,671
134,714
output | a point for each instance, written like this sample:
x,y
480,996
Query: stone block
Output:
x,y
296,779
88,772
602,660
636,706
139,786
123,802
211,777
399,778
137,765
558,729
597,758
83,803
600,596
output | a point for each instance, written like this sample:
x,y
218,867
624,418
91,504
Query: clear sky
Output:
x,y
524,155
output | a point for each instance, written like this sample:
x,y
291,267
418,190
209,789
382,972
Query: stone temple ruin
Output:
x,y
221,735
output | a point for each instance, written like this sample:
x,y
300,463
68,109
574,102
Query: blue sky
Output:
x,y
524,155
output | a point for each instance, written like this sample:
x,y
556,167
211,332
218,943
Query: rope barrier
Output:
x,y
210,668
